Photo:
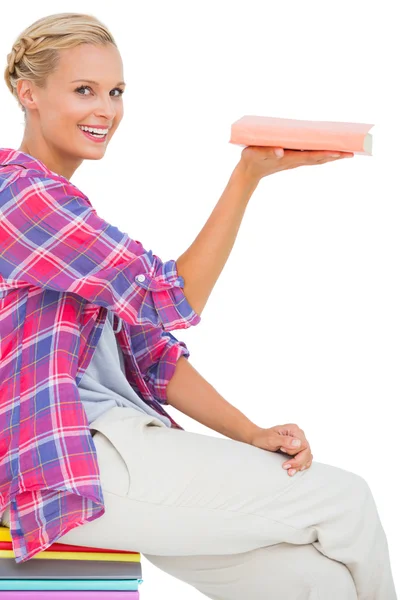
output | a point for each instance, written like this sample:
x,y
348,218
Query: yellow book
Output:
x,y
105,556
5,536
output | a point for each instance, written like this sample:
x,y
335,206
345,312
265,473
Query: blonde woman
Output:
x,y
89,456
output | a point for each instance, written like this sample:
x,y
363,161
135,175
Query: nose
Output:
x,y
107,109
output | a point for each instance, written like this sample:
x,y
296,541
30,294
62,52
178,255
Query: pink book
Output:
x,y
296,134
68,595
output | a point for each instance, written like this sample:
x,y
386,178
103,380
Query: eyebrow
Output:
x,y
95,82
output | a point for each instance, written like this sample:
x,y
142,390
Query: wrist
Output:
x,y
243,173
251,433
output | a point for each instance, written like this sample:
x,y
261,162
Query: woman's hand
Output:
x,y
281,437
259,161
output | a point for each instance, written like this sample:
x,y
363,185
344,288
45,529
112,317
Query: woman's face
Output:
x,y
70,100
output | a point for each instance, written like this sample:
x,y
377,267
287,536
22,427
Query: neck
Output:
x,y
62,165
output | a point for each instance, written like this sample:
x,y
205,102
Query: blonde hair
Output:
x,y
35,55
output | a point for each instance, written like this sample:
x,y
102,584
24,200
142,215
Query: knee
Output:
x,y
357,491
360,485
350,487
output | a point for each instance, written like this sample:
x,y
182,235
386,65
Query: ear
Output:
x,y
26,93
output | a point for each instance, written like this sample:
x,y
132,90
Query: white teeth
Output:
x,y
92,130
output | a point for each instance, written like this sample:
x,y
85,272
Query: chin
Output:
x,y
96,152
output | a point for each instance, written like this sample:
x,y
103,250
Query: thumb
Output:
x,y
289,442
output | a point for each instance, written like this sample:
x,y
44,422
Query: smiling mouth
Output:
x,y
95,136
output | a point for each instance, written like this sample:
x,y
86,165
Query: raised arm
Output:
x,y
202,263
52,237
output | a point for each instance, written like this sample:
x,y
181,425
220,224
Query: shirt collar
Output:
x,y
9,156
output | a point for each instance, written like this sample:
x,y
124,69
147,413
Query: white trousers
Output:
x,y
224,517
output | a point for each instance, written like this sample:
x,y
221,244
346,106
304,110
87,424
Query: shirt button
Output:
x,y
140,278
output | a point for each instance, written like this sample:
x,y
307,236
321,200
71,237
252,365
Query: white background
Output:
x,y
303,324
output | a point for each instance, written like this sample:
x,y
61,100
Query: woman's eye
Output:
x,y
86,87
83,87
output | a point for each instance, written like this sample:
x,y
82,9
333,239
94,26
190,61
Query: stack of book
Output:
x,y
64,572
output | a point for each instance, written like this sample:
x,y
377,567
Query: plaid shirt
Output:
x,y
61,268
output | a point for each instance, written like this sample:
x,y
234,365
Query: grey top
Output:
x,y
104,384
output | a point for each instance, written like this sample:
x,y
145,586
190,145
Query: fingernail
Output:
x,y
287,466
302,468
292,471
296,442
279,152
335,155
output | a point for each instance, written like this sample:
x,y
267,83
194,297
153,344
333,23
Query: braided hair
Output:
x,y
34,54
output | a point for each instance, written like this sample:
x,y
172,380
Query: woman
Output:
x,y
88,454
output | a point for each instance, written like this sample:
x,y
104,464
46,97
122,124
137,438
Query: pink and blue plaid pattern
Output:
x,y
61,268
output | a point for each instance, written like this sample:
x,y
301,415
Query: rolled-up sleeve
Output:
x,y
157,353
52,237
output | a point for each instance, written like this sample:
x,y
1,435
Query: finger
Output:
x,y
307,466
292,442
292,469
315,154
302,458
291,438
313,157
290,451
328,158
289,447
